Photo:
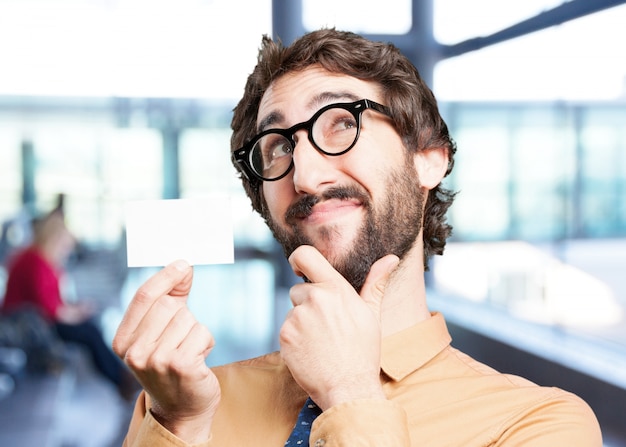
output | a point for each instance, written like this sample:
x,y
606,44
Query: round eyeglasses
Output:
x,y
333,130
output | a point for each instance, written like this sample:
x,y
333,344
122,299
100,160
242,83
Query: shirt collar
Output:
x,y
410,349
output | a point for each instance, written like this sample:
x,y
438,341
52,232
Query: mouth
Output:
x,y
331,210
332,203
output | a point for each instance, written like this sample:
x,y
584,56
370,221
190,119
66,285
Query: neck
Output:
x,y
48,251
404,304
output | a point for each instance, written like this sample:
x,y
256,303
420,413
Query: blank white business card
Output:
x,y
200,231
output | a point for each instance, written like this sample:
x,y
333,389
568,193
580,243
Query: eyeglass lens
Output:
x,y
332,132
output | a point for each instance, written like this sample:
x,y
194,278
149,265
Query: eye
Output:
x,y
335,130
280,149
342,123
334,122
275,147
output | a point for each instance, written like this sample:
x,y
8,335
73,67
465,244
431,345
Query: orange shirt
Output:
x,y
437,396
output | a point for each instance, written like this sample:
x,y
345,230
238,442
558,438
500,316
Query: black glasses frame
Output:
x,y
356,108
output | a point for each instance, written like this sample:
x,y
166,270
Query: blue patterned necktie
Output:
x,y
302,430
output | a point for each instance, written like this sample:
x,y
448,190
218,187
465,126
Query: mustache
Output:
x,y
303,207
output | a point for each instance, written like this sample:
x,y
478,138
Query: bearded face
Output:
x,y
389,227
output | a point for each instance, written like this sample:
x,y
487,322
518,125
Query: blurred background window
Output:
x,y
108,101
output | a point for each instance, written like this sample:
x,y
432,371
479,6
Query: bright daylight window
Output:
x,y
539,123
130,48
361,16
577,60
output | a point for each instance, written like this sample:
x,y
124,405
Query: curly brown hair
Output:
x,y
412,105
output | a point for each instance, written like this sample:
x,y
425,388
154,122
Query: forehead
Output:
x,y
297,95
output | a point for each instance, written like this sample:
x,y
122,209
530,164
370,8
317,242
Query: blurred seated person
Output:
x,y
34,284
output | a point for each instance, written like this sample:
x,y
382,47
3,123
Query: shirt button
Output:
x,y
320,443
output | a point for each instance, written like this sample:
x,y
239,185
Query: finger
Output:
x,y
176,278
198,344
298,293
164,327
183,330
140,346
307,261
183,287
301,292
373,289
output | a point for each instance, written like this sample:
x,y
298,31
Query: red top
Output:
x,y
32,282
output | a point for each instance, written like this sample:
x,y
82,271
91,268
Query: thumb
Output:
x,y
183,287
373,289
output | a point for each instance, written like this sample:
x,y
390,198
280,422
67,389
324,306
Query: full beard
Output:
x,y
392,229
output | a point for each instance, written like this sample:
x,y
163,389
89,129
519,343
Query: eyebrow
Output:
x,y
317,102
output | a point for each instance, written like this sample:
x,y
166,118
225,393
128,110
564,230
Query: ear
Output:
x,y
431,165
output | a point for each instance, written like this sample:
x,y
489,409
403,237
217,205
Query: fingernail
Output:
x,y
181,265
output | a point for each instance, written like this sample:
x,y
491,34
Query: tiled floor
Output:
x,y
74,408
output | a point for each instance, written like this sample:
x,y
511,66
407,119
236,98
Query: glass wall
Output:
x,y
539,228
94,163
538,172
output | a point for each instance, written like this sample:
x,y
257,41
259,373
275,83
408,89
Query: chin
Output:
x,y
333,252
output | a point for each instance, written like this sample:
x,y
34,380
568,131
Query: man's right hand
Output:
x,y
165,347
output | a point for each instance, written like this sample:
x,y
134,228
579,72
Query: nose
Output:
x,y
311,169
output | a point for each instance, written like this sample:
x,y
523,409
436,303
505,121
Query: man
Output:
x,y
342,151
